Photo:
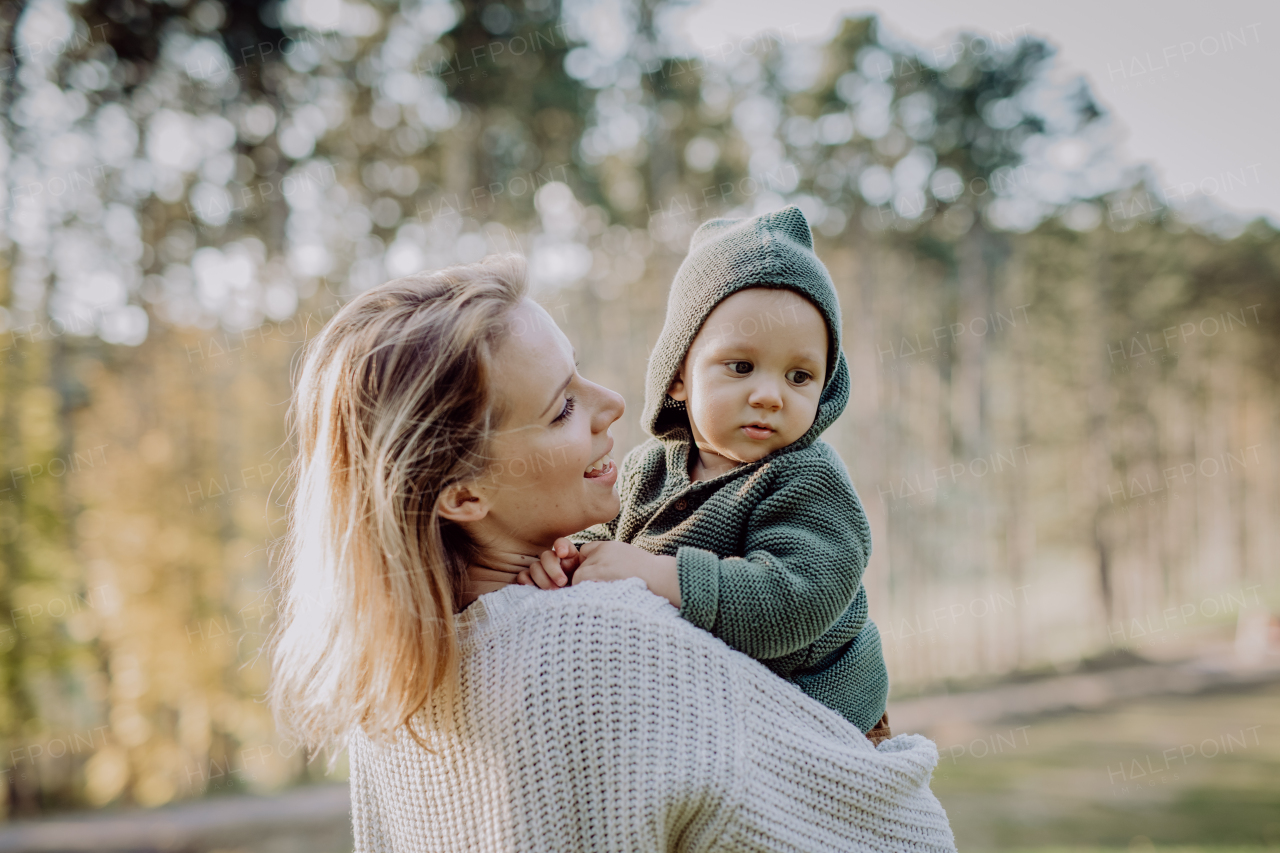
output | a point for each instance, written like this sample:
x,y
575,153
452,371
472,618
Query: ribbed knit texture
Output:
x,y
770,555
593,718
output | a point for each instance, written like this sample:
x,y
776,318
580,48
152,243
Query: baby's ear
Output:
x,y
676,391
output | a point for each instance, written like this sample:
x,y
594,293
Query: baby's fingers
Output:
x,y
567,552
550,565
539,577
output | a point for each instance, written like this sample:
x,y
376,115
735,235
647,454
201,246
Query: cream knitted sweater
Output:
x,y
594,718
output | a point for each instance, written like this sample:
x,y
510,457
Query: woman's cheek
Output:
x,y
569,457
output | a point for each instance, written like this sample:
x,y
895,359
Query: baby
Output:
x,y
735,511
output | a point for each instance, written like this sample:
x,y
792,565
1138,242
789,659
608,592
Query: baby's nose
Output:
x,y
766,396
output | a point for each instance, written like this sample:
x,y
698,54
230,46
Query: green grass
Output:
x,y
1071,782
1142,847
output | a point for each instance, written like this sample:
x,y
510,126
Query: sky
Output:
x,y
1193,85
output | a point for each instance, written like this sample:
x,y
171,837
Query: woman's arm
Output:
x,y
815,784
735,758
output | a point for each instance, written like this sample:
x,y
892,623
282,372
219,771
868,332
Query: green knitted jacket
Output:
x,y
770,555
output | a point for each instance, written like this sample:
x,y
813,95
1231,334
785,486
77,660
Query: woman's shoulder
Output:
x,y
585,653
620,624
515,597
626,601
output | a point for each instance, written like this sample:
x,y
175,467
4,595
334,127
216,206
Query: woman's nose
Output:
x,y
609,409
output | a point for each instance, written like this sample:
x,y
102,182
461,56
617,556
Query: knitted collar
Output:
x,y
491,604
502,604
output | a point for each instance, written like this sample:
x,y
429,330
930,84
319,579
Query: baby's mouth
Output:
x,y
600,468
758,431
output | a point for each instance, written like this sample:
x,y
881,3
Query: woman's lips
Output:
x,y
607,475
757,431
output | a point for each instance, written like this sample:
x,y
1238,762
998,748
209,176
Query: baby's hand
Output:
x,y
554,566
611,561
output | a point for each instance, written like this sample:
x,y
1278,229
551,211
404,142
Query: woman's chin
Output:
x,y
605,509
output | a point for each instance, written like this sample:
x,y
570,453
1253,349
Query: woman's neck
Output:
x,y
498,546
499,559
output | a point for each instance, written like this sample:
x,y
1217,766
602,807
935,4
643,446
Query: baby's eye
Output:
x,y
799,377
742,368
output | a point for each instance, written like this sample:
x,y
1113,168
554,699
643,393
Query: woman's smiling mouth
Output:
x,y
603,468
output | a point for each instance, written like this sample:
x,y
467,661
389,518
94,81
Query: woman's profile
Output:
x,y
442,427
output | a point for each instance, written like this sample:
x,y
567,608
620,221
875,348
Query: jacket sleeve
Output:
x,y
807,544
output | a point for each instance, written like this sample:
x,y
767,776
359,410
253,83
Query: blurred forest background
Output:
x,y
1064,415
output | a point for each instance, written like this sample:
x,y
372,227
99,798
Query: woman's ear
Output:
x,y
676,391
461,503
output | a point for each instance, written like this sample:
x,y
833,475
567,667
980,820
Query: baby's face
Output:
x,y
752,377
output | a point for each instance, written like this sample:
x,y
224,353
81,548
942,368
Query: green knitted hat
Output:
x,y
725,256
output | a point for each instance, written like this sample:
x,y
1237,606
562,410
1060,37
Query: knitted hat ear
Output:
x,y
710,229
791,222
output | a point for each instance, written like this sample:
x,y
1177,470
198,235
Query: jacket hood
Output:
x,y
725,256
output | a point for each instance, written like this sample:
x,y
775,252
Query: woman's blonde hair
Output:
x,y
391,407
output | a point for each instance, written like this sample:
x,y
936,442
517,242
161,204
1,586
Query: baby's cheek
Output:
x,y
810,417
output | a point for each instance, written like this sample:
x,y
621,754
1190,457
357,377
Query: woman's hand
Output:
x,y
553,567
612,561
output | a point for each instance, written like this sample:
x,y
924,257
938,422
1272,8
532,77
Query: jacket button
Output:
x,y
682,504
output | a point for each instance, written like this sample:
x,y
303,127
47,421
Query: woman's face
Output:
x,y
551,474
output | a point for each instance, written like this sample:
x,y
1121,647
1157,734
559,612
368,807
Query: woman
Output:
x,y
442,426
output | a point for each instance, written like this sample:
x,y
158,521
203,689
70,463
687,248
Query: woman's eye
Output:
x,y
566,411
799,377
742,368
